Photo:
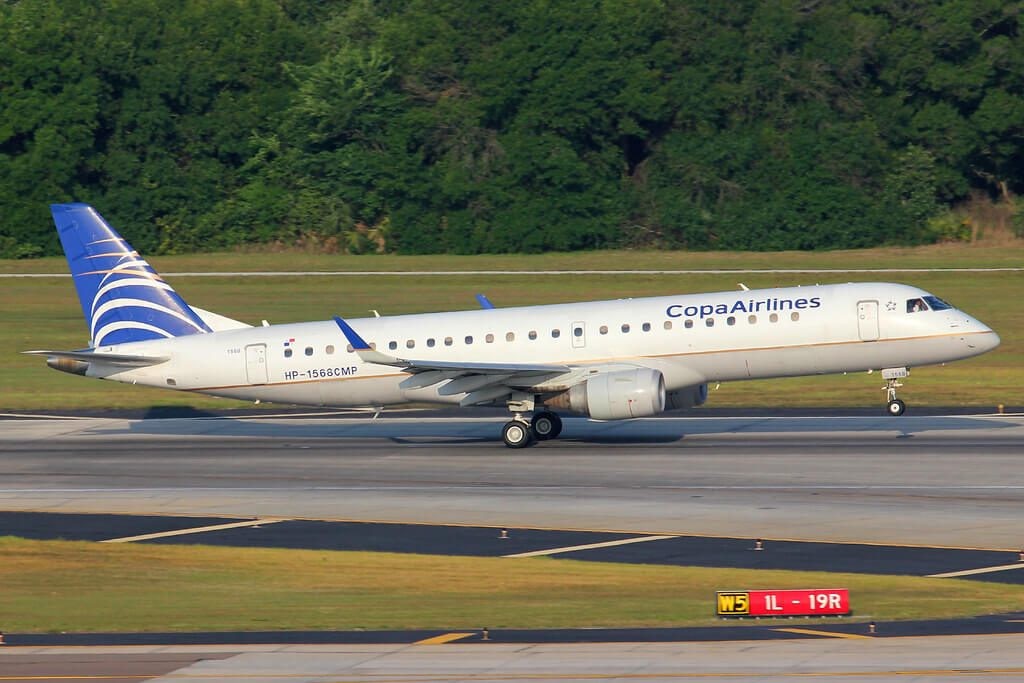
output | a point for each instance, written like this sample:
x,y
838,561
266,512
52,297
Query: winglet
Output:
x,y
365,352
485,303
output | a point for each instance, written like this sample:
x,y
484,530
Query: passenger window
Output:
x,y
330,349
625,328
431,342
409,344
603,329
489,338
646,327
556,333
349,348
448,341
469,339
774,317
309,350
731,320
287,353
532,334
510,336
710,322
392,345
688,324
668,324
752,319
794,316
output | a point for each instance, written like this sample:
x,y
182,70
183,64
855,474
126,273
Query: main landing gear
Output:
x,y
892,377
543,426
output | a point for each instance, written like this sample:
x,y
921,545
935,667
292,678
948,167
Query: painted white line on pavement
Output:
x,y
194,530
983,570
590,546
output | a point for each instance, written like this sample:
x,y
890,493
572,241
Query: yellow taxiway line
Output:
x,y
443,638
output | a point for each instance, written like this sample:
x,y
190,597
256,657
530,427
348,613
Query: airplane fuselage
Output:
x,y
691,339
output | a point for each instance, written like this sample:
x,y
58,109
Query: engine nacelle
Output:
x,y
687,397
616,395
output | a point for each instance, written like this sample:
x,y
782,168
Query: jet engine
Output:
x,y
615,395
687,397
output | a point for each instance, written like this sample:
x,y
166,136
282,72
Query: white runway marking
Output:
x,y
528,487
44,417
194,530
449,273
982,570
590,546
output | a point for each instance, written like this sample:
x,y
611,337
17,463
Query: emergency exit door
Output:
x,y
579,335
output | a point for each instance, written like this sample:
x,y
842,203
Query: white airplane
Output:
x,y
608,360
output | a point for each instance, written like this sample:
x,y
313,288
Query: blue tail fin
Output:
x,y
123,298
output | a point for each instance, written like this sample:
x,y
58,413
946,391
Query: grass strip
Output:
x,y
980,255
88,587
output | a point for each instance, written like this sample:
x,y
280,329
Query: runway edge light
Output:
x,y
817,602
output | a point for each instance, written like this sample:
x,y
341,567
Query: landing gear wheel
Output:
x,y
546,425
517,434
896,407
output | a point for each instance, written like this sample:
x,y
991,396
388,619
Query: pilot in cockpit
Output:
x,y
916,305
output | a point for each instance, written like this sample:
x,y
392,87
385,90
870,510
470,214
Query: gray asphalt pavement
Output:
x,y
935,481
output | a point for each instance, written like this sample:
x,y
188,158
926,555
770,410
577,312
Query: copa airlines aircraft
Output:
x,y
608,360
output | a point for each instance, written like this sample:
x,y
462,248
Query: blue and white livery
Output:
x,y
608,360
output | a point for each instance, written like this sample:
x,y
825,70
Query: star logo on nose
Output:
x,y
891,306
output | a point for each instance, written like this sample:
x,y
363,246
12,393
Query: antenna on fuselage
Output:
x,y
743,287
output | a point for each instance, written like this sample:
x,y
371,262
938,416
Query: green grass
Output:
x,y
78,586
933,256
44,313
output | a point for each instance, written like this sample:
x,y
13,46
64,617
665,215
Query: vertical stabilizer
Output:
x,y
123,298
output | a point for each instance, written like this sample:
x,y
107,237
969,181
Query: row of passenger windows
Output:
x,y
625,328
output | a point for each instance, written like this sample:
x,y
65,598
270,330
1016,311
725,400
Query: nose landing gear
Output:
x,y
892,377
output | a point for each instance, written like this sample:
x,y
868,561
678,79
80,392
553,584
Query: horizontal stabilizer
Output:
x,y
116,359
217,322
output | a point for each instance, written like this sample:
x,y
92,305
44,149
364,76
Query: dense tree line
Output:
x,y
467,126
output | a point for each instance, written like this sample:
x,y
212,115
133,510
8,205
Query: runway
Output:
x,y
949,482
932,481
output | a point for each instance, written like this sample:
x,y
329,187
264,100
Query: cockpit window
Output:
x,y
937,304
915,305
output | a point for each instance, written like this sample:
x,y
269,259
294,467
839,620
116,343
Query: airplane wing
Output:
x,y
482,382
117,359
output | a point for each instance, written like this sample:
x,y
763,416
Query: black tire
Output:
x,y
896,407
546,425
517,434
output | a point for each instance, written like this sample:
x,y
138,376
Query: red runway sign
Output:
x,y
784,603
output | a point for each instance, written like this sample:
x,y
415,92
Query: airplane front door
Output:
x,y
256,363
867,320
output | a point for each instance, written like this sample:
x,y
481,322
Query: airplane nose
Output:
x,y
984,341
991,340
